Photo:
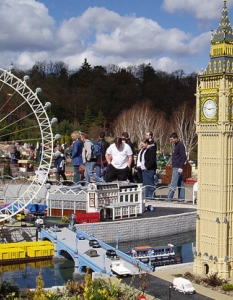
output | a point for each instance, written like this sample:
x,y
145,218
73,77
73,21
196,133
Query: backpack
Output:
x,y
95,150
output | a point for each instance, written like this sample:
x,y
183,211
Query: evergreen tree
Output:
x,y
87,121
100,119
85,66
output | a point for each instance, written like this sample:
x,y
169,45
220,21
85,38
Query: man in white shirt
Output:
x,y
119,157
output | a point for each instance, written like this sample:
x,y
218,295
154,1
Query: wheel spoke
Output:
x,y
38,112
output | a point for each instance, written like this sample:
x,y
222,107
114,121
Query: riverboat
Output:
x,y
148,254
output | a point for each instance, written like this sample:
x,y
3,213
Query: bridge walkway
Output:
x,y
65,240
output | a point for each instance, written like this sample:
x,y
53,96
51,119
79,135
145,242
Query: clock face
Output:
x,y
209,109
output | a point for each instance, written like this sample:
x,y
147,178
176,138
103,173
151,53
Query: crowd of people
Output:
x,y
116,162
112,162
16,151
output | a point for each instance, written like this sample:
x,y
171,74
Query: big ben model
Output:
x,y
214,125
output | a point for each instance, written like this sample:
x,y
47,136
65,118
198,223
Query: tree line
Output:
x,y
94,98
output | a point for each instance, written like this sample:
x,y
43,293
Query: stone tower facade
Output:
x,y
214,125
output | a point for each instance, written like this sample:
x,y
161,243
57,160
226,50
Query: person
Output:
x,y
119,156
125,138
59,164
13,150
148,166
178,161
88,160
76,155
17,155
138,170
32,155
149,136
39,152
101,163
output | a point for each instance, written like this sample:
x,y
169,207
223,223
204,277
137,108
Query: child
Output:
x,y
59,164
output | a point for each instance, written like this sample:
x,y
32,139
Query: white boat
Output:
x,y
148,253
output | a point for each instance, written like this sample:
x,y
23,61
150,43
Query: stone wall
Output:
x,y
137,229
130,229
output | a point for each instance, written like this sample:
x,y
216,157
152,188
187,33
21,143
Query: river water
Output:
x,y
57,274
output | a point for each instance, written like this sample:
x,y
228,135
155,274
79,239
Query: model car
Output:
x,y
91,253
94,243
79,236
110,253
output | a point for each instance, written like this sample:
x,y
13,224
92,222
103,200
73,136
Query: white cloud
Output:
x,y
25,25
28,34
202,10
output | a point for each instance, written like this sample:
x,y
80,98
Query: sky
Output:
x,y
169,34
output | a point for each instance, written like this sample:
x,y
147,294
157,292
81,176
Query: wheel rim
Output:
x,y
38,111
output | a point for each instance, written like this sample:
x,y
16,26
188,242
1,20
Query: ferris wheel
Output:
x,y
23,118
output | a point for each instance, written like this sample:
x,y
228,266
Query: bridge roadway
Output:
x,y
65,240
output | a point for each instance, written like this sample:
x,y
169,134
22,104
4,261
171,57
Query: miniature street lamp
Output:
x,y
117,241
170,288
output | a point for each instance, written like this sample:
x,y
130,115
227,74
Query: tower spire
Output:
x,y
224,30
221,52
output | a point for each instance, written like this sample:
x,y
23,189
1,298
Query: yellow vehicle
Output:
x,y
20,217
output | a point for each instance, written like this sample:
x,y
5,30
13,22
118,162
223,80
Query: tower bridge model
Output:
x,y
116,200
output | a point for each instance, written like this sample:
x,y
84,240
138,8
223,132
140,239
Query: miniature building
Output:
x,y
214,126
114,200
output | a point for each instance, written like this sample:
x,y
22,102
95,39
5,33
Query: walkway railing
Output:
x,y
161,192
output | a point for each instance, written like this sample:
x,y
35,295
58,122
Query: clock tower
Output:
x,y
214,126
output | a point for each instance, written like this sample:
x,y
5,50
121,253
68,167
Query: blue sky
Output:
x,y
169,34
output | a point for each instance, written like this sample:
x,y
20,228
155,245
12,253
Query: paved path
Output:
x,y
161,280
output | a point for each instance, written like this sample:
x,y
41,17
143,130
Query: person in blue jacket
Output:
x,y
76,154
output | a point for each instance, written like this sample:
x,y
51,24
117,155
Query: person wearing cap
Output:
x,y
59,165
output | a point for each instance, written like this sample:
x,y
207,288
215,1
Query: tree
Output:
x,y
100,119
183,123
138,120
87,121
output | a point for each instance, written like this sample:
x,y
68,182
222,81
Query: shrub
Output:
x,y
178,275
214,280
227,287
197,280
8,288
65,219
189,276
74,287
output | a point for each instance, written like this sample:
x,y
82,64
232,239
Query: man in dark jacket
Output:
x,y
101,164
149,136
178,161
148,168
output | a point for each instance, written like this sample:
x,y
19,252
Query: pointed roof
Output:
x,y
221,52
224,30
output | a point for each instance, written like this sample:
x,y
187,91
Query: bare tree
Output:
x,y
183,123
139,119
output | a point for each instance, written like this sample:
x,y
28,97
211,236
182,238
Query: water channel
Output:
x,y
57,274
